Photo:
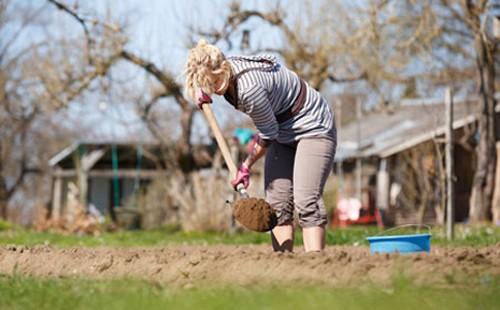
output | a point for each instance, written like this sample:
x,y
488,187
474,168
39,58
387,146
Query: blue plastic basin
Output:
x,y
400,243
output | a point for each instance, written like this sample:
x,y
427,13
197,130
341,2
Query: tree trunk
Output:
x,y
496,196
186,123
484,178
3,210
184,148
3,189
421,212
3,199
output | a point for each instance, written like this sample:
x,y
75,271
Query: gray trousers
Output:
x,y
295,176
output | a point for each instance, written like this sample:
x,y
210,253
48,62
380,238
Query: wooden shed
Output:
x,y
101,174
373,152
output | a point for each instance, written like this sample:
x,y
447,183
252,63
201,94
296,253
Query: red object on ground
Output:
x,y
366,219
368,215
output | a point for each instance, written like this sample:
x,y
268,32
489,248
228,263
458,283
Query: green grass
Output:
x,y
4,225
156,237
465,235
72,293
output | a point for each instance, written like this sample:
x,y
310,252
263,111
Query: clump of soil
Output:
x,y
255,214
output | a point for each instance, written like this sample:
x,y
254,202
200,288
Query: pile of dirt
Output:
x,y
255,214
188,266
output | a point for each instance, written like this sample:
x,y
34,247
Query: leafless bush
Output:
x,y
79,222
420,171
195,201
201,196
156,205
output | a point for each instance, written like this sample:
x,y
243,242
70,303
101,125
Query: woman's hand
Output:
x,y
242,176
202,98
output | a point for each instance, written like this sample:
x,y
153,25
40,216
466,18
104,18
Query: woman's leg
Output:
x,y
313,163
278,183
282,238
314,238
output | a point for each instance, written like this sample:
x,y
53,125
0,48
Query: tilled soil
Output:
x,y
188,266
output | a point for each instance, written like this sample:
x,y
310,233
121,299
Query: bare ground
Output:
x,y
182,266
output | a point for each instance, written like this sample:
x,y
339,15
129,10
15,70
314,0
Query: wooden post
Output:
x,y
382,198
450,208
235,154
340,173
56,199
81,177
358,157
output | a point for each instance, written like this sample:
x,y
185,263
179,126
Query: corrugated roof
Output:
x,y
386,133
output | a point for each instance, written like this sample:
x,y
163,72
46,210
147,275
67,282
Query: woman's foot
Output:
x,y
314,238
282,238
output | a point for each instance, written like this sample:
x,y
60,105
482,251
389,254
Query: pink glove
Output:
x,y
242,176
202,98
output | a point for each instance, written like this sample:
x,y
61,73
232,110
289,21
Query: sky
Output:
x,y
157,30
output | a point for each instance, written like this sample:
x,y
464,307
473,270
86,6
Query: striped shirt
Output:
x,y
271,90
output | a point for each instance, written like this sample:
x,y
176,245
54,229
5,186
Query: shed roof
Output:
x,y
386,133
128,154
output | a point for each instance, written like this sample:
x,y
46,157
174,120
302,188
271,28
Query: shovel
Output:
x,y
253,213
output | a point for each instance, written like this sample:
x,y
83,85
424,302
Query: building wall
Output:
x,y
127,189
464,172
402,213
99,193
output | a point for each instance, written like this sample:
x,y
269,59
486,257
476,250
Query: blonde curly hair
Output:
x,y
206,64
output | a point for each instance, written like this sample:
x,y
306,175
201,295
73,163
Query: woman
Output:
x,y
295,127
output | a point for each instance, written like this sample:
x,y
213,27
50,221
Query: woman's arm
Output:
x,y
243,173
257,152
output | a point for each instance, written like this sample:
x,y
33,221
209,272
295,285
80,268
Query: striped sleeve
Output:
x,y
256,104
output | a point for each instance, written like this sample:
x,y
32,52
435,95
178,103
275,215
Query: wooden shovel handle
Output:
x,y
226,154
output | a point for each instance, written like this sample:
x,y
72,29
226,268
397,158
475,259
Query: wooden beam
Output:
x,y
450,194
89,160
109,173
359,165
56,199
382,198
340,172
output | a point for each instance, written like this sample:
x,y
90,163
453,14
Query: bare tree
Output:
x,y
184,156
21,104
486,49
463,55
376,45
38,79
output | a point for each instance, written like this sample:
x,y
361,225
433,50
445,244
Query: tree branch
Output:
x,y
82,22
237,17
172,88
14,37
24,153
335,79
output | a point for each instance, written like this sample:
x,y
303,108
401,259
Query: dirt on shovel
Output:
x,y
255,214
